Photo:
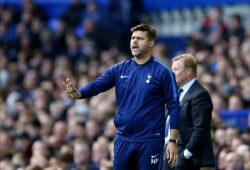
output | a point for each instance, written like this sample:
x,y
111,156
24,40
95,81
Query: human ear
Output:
x,y
151,43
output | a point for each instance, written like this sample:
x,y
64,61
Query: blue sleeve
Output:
x,y
171,98
101,84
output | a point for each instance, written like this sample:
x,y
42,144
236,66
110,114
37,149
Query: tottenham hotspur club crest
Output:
x,y
149,78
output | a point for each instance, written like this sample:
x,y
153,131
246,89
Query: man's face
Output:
x,y
139,43
180,72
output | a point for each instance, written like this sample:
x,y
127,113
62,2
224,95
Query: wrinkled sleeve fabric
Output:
x,y
171,98
101,84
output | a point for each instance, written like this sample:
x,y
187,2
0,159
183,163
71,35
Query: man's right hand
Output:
x,y
172,153
71,89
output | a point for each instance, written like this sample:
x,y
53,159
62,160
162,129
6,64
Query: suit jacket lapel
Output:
x,y
185,97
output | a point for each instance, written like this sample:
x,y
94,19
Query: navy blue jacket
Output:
x,y
142,93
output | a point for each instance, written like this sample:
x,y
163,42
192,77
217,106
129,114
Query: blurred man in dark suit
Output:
x,y
195,149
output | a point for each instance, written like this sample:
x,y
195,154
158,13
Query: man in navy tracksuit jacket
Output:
x,y
144,87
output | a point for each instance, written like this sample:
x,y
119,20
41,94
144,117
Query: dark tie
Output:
x,y
180,91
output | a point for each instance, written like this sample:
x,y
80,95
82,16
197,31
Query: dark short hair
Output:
x,y
22,135
152,33
237,17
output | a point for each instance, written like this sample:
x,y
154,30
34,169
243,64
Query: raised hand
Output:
x,y
71,89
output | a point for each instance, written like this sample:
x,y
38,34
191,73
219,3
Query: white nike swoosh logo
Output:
x,y
122,77
153,156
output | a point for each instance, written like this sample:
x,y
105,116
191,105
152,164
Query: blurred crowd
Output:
x,y
223,53
41,128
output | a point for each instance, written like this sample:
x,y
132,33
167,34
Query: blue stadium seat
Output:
x,y
238,118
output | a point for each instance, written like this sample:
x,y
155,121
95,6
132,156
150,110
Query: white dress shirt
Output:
x,y
185,88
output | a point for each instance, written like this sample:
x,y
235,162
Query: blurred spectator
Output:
x,y
82,155
220,138
236,142
160,52
235,103
233,161
218,104
245,136
6,145
47,43
40,148
123,15
91,31
32,9
39,160
214,26
20,160
245,91
93,130
65,157
92,13
120,15
230,134
73,14
99,152
57,139
6,165
107,163
23,143
4,73
76,129
59,28
36,27
33,167
243,151
222,159
110,130
72,47
235,28
7,27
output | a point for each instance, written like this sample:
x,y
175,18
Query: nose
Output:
x,y
134,39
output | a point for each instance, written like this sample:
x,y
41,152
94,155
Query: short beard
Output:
x,y
141,54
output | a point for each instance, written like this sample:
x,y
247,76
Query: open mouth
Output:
x,y
135,47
